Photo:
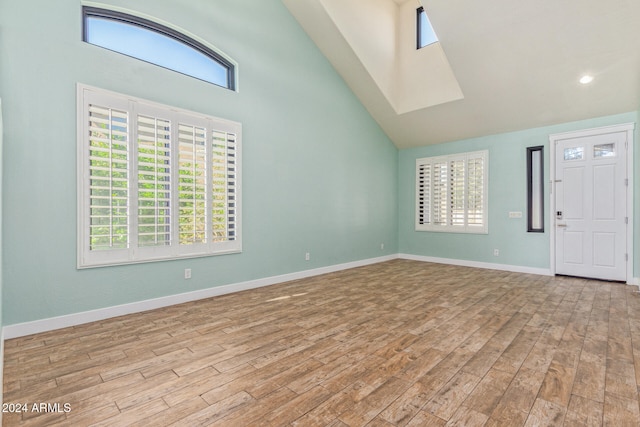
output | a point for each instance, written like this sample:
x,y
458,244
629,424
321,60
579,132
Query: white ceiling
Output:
x,y
517,63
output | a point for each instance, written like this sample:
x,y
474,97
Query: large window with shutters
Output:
x,y
154,182
451,193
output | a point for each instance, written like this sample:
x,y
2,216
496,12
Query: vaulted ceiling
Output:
x,y
500,65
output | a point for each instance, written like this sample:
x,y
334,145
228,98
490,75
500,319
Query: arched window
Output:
x,y
157,44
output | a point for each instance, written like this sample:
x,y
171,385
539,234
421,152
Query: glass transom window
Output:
x,y
157,44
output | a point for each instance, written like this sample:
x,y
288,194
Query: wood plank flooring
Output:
x,y
400,343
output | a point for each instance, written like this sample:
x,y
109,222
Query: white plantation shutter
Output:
x,y
439,195
451,193
457,189
154,182
108,166
476,212
192,184
224,183
424,190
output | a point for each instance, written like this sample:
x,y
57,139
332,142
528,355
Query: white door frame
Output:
x,y
553,138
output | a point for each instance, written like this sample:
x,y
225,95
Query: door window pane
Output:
x,y
574,153
604,150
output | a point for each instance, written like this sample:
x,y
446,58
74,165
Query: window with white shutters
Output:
x,y
451,193
155,182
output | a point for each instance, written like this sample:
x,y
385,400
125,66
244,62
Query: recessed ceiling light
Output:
x,y
586,79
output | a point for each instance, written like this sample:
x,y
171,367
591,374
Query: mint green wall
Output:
x,y
1,322
507,192
1,228
318,173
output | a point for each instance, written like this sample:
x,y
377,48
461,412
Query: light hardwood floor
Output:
x,y
396,343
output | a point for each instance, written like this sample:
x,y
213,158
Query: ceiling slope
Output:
x,y
510,65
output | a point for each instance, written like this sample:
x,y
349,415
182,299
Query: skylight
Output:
x,y
426,34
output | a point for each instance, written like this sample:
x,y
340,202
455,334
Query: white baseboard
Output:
x,y
44,325
477,264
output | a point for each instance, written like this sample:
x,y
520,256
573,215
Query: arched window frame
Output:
x,y
96,12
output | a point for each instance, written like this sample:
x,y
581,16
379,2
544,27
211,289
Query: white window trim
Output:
x,y
449,227
134,254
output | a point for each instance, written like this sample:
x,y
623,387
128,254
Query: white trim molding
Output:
x,y
478,264
45,325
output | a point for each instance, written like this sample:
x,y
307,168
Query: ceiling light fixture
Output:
x,y
586,79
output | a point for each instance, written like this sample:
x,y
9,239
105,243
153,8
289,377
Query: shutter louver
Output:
x,y
154,182
108,178
192,184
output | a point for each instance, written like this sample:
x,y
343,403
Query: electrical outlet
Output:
x,y
187,273
382,246
496,252
307,256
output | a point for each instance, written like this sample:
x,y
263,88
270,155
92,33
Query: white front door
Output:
x,y
591,206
